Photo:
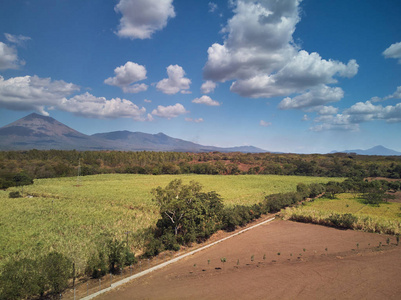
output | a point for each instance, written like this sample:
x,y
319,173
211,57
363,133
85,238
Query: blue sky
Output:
x,y
293,76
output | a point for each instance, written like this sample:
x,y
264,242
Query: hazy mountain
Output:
x,y
377,150
40,132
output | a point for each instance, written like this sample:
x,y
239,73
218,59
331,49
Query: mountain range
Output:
x,y
43,133
377,150
40,132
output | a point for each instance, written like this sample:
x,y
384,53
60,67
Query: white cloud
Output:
x,y
315,97
305,118
358,113
395,95
175,82
38,94
126,75
394,51
17,39
212,7
259,53
200,120
208,87
264,123
147,101
9,58
337,122
141,18
169,112
88,105
206,100
33,93
325,110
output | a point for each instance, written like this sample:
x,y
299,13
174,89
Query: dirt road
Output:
x,y
280,260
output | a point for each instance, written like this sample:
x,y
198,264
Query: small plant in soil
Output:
x,y
208,261
398,239
264,256
223,260
252,257
388,241
278,253
357,246
380,244
237,262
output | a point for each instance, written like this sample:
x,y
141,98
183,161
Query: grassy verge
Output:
x,y
348,211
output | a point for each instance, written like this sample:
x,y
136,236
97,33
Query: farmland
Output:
x,y
383,218
70,215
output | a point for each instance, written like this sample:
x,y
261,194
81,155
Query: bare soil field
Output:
x,y
280,260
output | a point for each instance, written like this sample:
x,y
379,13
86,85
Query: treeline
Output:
x,y
57,163
50,275
189,215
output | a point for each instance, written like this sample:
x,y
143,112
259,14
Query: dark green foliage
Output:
x,y
97,265
343,221
57,269
28,278
111,256
333,188
56,163
15,194
19,279
187,214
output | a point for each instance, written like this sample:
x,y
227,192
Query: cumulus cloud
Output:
x,y
200,120
358,113
315,97
395,95
9,58
33,93
394,51
127,75
264,123
206,100
38,94
16,39
141,18
208,87
87,105
176,82
169,112
337,122
259,53
305,118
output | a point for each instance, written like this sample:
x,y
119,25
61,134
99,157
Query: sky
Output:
x,y
307,76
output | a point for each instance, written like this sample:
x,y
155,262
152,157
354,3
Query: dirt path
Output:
x,y
270,262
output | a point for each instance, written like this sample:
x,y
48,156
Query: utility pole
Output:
x,y
79,171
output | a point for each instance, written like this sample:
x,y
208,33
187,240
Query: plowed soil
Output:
x,y
280,260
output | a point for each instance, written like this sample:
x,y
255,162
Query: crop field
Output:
x,y
385,218
70,215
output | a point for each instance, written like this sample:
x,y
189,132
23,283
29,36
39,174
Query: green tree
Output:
x,y
187,212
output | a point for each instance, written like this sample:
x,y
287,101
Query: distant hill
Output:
x,y
39,132
377,150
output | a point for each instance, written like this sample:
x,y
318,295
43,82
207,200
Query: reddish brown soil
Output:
x,y
353,267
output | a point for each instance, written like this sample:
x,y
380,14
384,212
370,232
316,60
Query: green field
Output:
x,y
68,218
385,218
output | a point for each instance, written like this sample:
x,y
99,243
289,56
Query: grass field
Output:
x,y
68,218
385,218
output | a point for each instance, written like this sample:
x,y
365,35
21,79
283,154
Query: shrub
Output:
x,y
344,221
14,195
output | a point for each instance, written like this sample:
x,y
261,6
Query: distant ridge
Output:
x,y
44,133
377,150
